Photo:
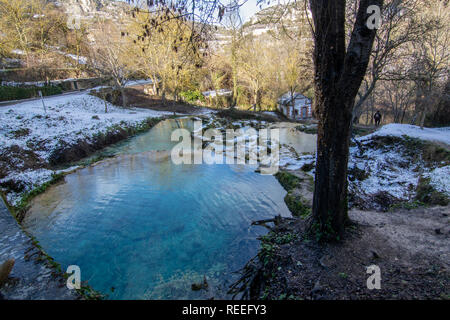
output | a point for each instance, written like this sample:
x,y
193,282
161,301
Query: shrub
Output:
x,y
426,194
16,93
192,96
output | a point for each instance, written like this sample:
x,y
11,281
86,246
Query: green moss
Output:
x,y
427,194
307,129
308,167
296,205
288,180
271,242
278,238
192,96
408,205
20,209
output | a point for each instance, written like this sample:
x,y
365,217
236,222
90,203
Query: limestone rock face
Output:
x,y
89,9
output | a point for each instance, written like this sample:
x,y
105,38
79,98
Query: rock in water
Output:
x,y
200,286
5,270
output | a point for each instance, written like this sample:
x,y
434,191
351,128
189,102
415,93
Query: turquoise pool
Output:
x,y
140,227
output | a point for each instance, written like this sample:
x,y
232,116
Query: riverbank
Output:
x,y
32,277
399,200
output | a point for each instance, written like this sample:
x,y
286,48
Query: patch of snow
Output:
x,y
386,173
440,179
29,178
389,169
289,160
18,52
139,82
220,92
399,130
79,59
68,117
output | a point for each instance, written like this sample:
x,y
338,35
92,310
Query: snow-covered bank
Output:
x,y
66,118
386,166
396,167
29,134
400,130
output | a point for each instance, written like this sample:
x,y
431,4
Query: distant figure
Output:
x,y
377,118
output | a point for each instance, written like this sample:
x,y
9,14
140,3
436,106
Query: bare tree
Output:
x,y
254,61
233,23
401,26
107,58
397,97
431,56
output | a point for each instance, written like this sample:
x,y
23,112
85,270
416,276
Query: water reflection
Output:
x,y
149,228
300,141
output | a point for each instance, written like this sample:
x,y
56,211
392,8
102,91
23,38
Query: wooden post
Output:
x,y
42,99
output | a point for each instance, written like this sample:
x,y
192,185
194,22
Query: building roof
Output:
x,y
287,98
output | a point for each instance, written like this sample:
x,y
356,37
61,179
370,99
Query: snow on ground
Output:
x,y
386,170
31,178
440,179
67,119
392,171
78,59
139,82
399,130
389,169
289,160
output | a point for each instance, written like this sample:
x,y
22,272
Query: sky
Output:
x,y
250,7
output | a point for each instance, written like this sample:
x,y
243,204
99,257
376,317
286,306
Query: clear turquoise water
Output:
x,y
150,228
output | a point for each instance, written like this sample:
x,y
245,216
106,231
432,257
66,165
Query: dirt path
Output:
x,y
411,248
419,236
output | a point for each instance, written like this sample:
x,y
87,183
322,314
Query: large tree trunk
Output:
x,y
338,76
330,192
